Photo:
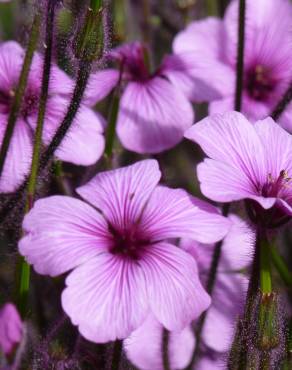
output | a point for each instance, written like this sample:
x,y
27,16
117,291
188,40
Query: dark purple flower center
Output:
x,y
259,82
29,103
129,243
273,187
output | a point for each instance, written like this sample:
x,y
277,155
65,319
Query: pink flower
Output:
x,y
84,143
124,263
10,328
153,113
227,305
247,161
208,50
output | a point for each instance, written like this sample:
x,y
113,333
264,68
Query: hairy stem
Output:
x,y
165,352
282,104
24,273
240,56
20,89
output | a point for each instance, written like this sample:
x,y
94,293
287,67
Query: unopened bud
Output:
x,y
268,322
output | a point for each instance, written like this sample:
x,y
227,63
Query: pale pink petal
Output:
x,y
159,123
175,294
60,82
237,248
121,194
227,305
172,213
212,362
106,297
11,58
252,109
150,336
278,146
84,142
62,233
100,85
231,139
10,328
18,160
203,38
223,183
285,119
199,78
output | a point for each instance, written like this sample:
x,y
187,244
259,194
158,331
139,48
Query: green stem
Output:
x,y
240,56
113,116
20,89
24,274
117,354
281,266
265,267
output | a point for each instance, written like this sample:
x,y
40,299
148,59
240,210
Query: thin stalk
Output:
x,y
282,104
281,266
240,56
20,89
265,268
165,352
117,354
24,273
209,288
42,104
113,115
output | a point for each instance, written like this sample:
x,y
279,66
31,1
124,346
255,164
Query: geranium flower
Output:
x,y
153,113
11,328
247,161
124,263
208,50
227,305
84,142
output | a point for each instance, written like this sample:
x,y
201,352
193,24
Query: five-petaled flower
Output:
x,y
247,161
121,250
153,113
208,50
84,142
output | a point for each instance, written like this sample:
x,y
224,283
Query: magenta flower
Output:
x,y
153,113
208,48
84,143
124,263
227,305
11,328
246,162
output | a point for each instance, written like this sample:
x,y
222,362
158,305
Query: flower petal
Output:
x,y
106,297
62,233
150,336
200,79
121,194
172,213
100,85
175,293
164,114
231,139
194,37
10,328
18,159
278,146
11,58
